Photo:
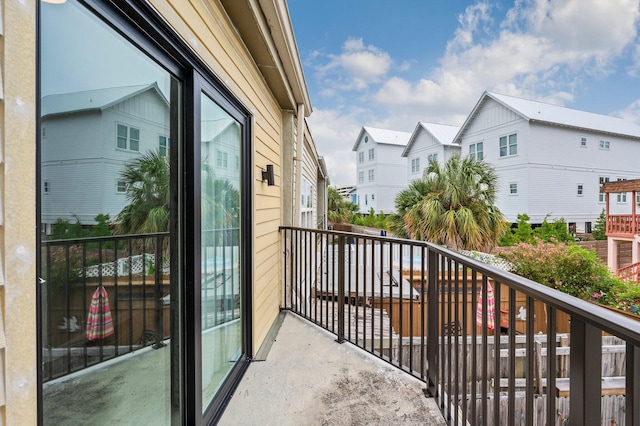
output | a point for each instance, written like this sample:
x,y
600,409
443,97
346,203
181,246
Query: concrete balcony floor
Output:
x,y
306,378
309,379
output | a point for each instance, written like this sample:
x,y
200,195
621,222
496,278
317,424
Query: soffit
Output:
x,y
260,37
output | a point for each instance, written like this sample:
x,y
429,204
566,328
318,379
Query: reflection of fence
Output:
x,y
125,266
133,264
472,383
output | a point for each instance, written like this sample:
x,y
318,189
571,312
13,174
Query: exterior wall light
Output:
x,y
268,175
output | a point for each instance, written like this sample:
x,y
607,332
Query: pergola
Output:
x,y
622,227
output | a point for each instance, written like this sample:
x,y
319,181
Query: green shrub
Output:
x,y
600,227
568,268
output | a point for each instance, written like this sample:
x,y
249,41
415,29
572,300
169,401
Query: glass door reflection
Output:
x,y
220,249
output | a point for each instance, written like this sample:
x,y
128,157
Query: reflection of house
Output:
x,y
429,141
87,138
551,159
381,171
218,148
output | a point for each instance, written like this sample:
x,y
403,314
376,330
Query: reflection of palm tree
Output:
x,y
453,205
220,203
147,183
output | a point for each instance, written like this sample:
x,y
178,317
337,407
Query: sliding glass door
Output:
x,y
144,215
220,248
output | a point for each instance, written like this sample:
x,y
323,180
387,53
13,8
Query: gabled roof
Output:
x,y
383,136
94,100
555,115
443,133
209,129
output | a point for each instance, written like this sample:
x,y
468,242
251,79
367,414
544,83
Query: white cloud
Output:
x,y
542,49
539,49
335,132
631,112
356,67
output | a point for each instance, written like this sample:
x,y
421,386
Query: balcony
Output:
x,y
488,347
622,226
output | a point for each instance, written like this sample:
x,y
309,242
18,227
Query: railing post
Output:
x,y
632,402
159,329
341,295
432,323
585,371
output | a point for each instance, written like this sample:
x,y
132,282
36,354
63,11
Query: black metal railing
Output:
x,y
127,280
102,297
493,348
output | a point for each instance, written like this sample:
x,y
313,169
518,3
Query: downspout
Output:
x,y
297,161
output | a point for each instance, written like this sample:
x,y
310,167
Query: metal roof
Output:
x,y
443,133
541,112
390,137
91,100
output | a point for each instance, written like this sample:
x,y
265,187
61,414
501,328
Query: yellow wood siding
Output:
x,y
206,28
18,363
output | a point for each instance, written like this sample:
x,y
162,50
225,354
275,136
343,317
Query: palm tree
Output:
x,y
339,210
453,205
405,200
147,181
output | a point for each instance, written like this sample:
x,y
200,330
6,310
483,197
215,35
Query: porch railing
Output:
x,y
629,272
623,225
493,348
130,313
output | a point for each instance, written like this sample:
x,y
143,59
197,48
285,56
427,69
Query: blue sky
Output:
x,y
390,64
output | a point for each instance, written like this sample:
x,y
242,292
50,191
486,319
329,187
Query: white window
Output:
x,y
637,198
361,157
415,165
373,197
621,197
366,199
601,196
360,177
222,159
46,187
306,204
476,150
371,175
44,132
127,138
121,187
372,154
580,190
433,157
509,145
583,142
163,145
513,188
604,144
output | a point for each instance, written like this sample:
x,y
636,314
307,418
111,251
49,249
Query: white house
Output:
x,y
87,138
381,171
551,160
429,141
